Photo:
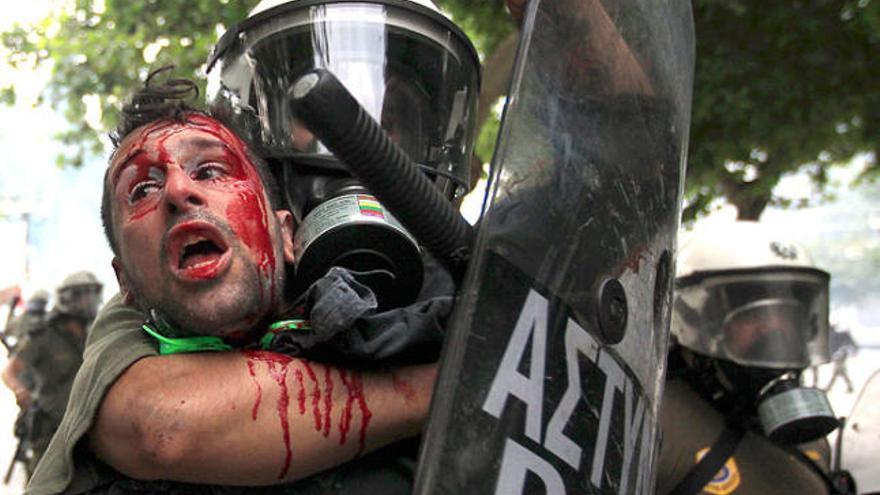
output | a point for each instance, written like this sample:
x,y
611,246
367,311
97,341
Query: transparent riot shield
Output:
x,y
552,372
860,447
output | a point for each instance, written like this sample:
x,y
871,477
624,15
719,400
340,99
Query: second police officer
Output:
x,y
750,313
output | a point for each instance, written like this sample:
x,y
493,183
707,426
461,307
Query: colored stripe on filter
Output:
x,y
370,207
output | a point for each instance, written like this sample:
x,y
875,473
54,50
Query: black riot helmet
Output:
x,y
79,295
408,66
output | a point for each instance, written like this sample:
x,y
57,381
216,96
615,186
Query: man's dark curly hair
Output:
x,y
167,101
156,101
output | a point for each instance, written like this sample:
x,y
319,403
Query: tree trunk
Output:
x,y
496,76
749,198
495,83
751,208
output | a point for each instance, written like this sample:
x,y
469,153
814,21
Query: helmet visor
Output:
x,y
408,70
767,318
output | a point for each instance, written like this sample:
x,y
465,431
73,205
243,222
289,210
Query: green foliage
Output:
x,y
487,137
485,21
779,86
101,54
7,96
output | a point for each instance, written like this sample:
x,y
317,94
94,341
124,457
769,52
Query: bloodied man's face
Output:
x,y
197,237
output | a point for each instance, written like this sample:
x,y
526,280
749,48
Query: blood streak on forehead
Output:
x,y
162,130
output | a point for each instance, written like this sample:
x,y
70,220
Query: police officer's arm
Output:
x,y
606,44
223,418
10,376
517,9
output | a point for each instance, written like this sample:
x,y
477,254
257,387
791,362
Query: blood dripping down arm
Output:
x,y
254,418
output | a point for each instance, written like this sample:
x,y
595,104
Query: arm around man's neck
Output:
x,y
252,418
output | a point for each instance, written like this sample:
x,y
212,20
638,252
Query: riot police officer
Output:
x,y
15,332
51,354
408,66
79,296
750,314
33,316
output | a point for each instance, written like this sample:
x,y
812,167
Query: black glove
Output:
x,y
345,327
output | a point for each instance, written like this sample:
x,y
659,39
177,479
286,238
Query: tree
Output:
x,y
101,51
845,244
779,86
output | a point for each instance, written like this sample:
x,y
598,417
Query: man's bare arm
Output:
x,y
252,418
10,377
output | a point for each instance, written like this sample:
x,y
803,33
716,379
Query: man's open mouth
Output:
x,y
198,254
197,251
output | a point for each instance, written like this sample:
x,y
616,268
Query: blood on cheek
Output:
x,y
248,213
248,217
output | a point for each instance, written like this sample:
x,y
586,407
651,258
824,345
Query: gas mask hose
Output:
x,y
346,129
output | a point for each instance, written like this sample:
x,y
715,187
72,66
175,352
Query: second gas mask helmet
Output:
x,y
757,307
409,68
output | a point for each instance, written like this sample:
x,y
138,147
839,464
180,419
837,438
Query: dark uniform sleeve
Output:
x,y
115,342
14,328
30,351
690,426
347,330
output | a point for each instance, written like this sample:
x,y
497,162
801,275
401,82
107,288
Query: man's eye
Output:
x,y
210,170
141,191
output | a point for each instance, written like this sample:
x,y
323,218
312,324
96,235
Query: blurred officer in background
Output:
x,y
750,314
33,316
50,355
842,347
16,330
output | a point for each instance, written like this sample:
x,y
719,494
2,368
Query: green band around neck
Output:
x,y
210,343
179,345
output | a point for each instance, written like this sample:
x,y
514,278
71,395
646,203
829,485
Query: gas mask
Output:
x,y
792,414
80,295
787,412
408,67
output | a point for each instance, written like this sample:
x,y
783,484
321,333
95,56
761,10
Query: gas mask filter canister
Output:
x,y
791,414
351,229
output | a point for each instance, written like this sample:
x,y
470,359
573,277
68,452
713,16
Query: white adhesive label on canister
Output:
x,y
344,210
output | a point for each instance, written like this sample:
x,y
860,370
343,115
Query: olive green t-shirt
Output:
x,y
115,342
